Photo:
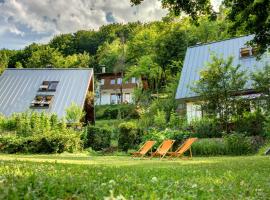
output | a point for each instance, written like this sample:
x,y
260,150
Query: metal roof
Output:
x,y
18,88
198,56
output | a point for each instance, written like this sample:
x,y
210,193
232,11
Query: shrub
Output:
x,y
129,136
160,119
74,114
266,127
209,147
207,128
250,124
47,143
124,111
238,144
97,138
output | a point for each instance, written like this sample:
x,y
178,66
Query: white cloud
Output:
x,y
50,17
27,21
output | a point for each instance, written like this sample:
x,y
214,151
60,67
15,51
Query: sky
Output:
x,y
23,22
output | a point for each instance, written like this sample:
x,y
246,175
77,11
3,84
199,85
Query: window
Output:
x,y
113,99
102,82
112,81
48,86
126,98
119,81
42,101
133,80
246,52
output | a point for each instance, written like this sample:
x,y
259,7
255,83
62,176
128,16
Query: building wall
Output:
x,y
193,111
106,96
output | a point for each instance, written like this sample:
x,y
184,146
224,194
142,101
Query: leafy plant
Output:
x,y
74,114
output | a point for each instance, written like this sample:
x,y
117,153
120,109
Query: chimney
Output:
x,y
103,70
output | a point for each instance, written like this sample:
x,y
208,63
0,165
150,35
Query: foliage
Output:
x,y
125,111
129,136
261,84
218,86
238,144
49,142
192,8
250,124
74,114
60,176
266,127
97,138
207,128
209,147
252,17
160,119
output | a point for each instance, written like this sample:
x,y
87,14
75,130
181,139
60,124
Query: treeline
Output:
x,y
160,44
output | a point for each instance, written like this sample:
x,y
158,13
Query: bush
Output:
x,y
129,136
209,147
207,128
97,138
124,111
250,124
238,144
266,127
47,143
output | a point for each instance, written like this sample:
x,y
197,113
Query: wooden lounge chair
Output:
x,y
183,148
144,149
163,149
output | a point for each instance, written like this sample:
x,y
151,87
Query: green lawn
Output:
x,y
78,176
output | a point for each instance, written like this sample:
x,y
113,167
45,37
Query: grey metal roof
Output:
x,y
18,88
198,56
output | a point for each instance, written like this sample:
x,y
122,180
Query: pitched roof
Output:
x,y
18,88
198,56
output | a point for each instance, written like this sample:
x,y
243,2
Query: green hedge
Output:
x,y
233,144
129,136
124,111
97,138
47,143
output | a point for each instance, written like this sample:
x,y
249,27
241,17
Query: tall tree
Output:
x,y
253,17
194,8
219,84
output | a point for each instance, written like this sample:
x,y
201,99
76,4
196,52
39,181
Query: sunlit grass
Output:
x,y
79,176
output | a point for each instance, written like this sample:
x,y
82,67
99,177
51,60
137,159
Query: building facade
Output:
x,y
112,89
198,56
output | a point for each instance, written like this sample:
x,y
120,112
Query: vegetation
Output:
x,y
73,176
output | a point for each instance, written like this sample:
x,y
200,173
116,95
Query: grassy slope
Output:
x,y
79,176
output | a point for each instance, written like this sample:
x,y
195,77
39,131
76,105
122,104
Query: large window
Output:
x,y
112,81
127,98
48,86
42,101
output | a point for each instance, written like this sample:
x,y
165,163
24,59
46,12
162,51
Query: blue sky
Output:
x,y
25,21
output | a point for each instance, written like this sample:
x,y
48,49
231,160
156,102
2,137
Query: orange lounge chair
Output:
x,y
163,149
144,149
183,148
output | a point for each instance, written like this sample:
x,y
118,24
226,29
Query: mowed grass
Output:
x,y
78,176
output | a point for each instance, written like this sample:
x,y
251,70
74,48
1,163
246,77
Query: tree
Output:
x,y
262,85
218,87
194,8
74,114
64,43
253,17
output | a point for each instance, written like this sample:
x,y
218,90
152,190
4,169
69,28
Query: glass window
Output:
x,y
126,98
245,52
102,82
112,81
48,86
133,80
42,101
113,99
119,81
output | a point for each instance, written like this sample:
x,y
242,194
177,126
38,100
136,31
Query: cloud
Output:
x,y
29,21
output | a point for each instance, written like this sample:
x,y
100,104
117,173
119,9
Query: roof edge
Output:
x,y
202,44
